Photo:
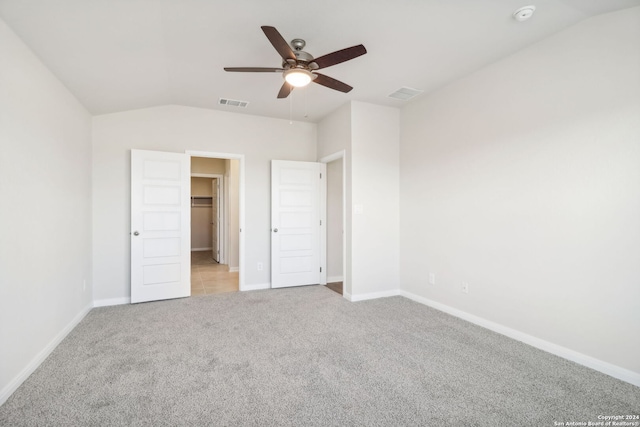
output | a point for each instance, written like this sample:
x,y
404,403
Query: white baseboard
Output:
x,y
372,295
574,356
111,301
8,390
200,249
234,269
334,279
255,287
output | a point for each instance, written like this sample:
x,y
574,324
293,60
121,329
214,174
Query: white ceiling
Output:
x,y
117,55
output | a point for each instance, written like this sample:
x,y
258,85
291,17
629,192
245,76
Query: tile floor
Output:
x,y
209,277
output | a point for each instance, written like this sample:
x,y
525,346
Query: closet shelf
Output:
x,y
201,201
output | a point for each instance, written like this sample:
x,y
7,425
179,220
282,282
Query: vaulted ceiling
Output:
x,y
117,55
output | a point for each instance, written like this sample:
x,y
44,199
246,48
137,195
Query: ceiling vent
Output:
x,y
405,93
233,103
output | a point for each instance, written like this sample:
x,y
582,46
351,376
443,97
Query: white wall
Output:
x,y
523,180
375,146
234,214
45,188
201,186
176,129
201,229
334,132
207,165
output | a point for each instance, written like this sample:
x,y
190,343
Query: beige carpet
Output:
x,y
303,356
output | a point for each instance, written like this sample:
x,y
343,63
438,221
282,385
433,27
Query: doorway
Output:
x,y
335,240
215,220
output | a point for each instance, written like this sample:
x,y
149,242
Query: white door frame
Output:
x,y
222,256
241,241
221,221
342,154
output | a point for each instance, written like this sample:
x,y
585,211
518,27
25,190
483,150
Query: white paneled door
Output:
x,y
160,246
296,223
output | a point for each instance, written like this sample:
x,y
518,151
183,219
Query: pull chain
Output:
x,y
291,106
306,112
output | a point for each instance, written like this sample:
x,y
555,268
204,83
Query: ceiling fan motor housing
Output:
x,y
303,56
303,60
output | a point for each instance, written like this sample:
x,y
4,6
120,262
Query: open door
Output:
x,y
297,191
160,236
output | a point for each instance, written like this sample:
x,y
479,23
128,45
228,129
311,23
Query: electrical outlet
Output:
x,y
464,288
259,266
432,279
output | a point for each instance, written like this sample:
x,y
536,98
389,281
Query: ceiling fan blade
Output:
x,y
340,56
254,69
285,90
332,83
278,42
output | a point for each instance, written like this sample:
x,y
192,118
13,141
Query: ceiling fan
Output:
x,y
299,67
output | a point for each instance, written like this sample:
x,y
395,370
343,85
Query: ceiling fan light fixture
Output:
x,y
298,77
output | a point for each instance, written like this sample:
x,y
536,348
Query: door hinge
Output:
x,y
320,175
320,222
320,269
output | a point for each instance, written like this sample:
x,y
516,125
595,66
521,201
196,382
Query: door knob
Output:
x,y
135,233
275,230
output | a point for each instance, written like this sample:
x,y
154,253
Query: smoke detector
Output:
x,y
524,13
